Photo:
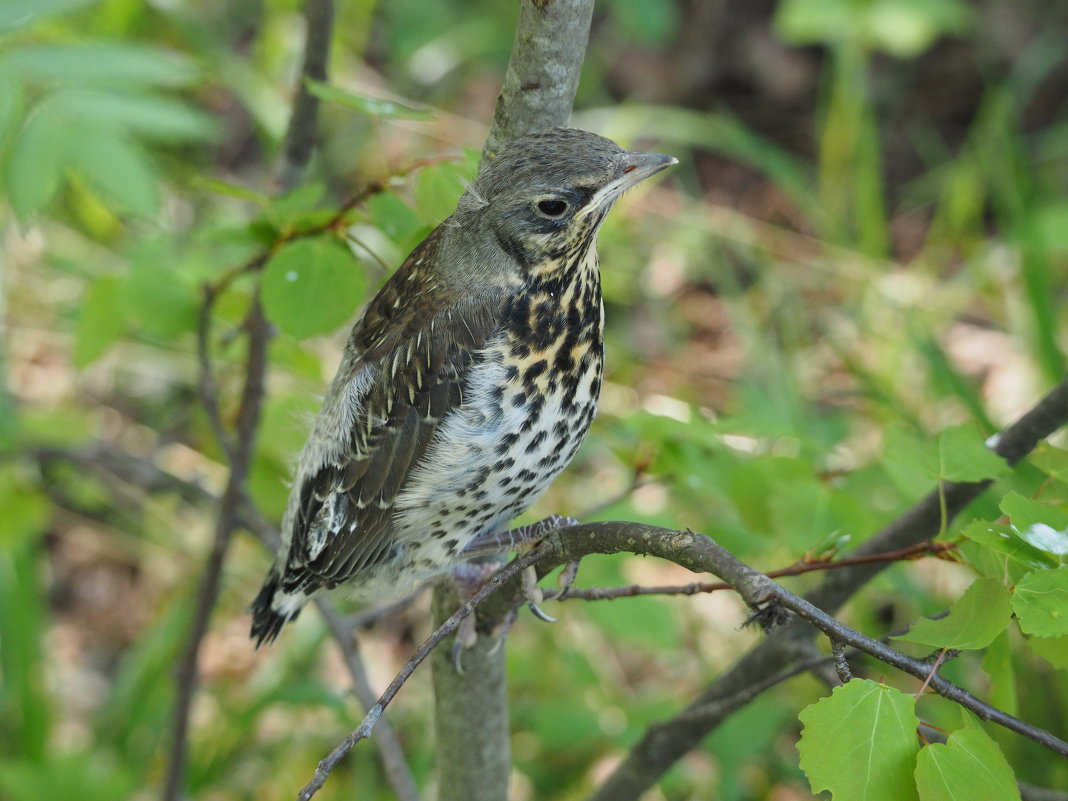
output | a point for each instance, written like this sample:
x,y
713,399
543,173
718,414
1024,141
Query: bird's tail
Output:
x,y
267,621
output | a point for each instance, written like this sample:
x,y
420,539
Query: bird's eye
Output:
x,y
553,208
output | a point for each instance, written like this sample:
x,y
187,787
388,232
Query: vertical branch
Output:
x,y
300,136
543,70
470,714
471,709
240,453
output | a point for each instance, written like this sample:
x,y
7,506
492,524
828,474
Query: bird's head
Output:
x,y
541,200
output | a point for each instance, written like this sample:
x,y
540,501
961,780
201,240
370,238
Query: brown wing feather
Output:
x,y
422,352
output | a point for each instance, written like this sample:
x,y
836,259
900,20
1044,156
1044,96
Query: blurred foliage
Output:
x,y
856,274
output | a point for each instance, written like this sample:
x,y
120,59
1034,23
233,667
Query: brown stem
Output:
x,y
796,569
240,452
300,136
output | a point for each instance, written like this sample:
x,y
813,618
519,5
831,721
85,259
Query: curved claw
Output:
x,y
497,644
533,607
567,579
457,656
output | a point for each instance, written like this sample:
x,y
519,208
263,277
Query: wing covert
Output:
x,y
420,354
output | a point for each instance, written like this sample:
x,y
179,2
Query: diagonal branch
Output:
x,y
664,743
471,710
389,748
507,573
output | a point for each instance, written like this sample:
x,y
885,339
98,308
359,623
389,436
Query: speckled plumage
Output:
x,y
467,384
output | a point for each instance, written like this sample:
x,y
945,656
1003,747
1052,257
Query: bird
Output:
x,y
465,386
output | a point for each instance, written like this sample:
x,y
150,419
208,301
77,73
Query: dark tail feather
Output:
x,y
266,622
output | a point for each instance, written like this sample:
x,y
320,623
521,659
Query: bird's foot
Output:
x,y
469,577
524,538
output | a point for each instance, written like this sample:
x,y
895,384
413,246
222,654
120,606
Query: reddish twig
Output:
x,y
335,222
796,569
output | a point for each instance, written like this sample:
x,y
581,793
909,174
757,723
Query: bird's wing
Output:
x,y
419,340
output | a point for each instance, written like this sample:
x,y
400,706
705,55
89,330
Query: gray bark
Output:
x,y
471,709
543,71
474,757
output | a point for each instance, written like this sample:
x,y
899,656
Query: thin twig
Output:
x,y
240,452
759,591
943,656
666,742
450,625
336,221
389,750
796,569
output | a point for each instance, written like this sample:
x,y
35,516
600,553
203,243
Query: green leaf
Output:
x,y
376,107
860,743
959,454
285,211
1025,512
16,14
970,766
998,665
1051,460
115,165
311,286
1043,526
159,302
102,321
35,164
974,620
395,218
437,190
1006,540
160,119
100,63
1053,649
1040,601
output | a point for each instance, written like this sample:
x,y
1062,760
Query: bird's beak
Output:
x,y
634,168
639,166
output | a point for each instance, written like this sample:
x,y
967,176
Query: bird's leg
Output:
x,y
469,578
521,539
513,539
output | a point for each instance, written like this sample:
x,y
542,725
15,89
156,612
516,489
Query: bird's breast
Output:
x,y
528,401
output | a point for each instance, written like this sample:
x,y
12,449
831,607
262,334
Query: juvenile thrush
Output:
x,y
467,384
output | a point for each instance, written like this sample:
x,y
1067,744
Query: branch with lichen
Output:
x,y
790,639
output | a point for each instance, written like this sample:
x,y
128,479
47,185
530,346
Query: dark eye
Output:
x,y
553,208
